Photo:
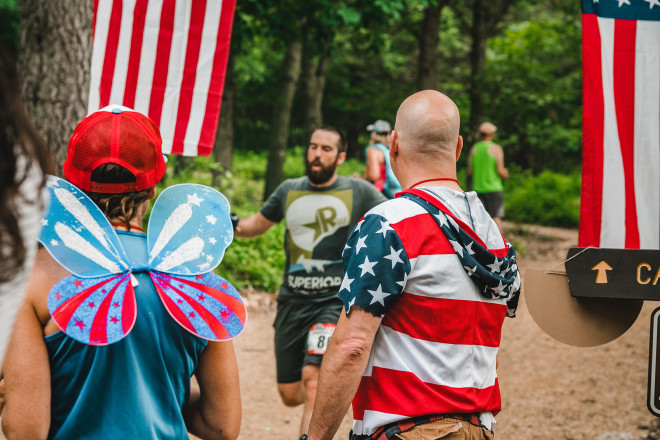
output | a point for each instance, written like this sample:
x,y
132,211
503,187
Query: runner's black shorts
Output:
x,y
493,202
292,324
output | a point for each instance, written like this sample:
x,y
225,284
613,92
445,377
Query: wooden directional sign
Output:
x,y
613,273
653,394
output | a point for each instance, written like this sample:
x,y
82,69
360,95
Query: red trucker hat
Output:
x,y
119,135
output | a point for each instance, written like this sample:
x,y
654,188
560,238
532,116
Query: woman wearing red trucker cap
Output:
x,y
139,387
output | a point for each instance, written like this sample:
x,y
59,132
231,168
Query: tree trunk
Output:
x,y
223,149
54,63
314,73
428,47
279,128
477,64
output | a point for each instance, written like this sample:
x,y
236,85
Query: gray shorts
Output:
x,y
493,202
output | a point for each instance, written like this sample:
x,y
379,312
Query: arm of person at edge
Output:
x,y
499,155
374,159
341,371
213,410
26,368
253,226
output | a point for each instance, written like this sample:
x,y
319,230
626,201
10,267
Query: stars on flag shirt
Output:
x,y
431,270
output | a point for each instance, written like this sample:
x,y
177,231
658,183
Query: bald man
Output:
x,y
428,281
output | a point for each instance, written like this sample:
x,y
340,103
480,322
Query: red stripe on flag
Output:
x,y
593,116
189,74
447,321
624,102
139,17
216,86
96,8
461,224
422,232
112,43
161,66
403,393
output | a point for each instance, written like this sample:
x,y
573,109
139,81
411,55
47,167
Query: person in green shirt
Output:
x,y
486,169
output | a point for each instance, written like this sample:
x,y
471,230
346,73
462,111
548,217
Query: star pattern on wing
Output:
x,y
194,199
211,219
624,2
653,3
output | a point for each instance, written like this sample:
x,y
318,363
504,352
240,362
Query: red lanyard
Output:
x,y
433,180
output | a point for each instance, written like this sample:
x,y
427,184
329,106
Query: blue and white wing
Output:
x,y
78,235
189,230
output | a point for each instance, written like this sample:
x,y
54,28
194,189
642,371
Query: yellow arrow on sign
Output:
x,y
602,268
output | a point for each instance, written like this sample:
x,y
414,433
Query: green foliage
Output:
x,y
9,24
550,198
533,85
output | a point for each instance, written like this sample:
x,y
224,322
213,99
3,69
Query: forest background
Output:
x,y
297,64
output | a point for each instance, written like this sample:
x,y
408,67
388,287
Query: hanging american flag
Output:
x,y
166,59
621,124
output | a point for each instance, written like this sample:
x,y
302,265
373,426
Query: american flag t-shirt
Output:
x,y
621,124
428,356
376,261
166,59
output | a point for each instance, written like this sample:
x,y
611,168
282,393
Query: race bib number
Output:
x,y
319,337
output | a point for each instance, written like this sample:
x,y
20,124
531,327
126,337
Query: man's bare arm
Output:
x,y
341,371
213,410
253,226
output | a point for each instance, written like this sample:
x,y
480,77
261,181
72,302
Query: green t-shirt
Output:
x,y
318,223
484,169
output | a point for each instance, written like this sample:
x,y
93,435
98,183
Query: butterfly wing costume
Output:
x,y
188,233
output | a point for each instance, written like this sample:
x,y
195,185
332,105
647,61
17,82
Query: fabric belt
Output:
x,y
388,431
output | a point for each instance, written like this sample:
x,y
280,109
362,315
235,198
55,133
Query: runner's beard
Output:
x,y
323,175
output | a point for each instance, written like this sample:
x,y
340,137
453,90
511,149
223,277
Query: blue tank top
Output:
x,y
134,388
392,185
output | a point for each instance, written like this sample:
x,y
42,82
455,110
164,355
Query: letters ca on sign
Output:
x,y
646,274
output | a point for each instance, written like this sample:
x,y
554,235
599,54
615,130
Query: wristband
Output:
x,y
234,219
